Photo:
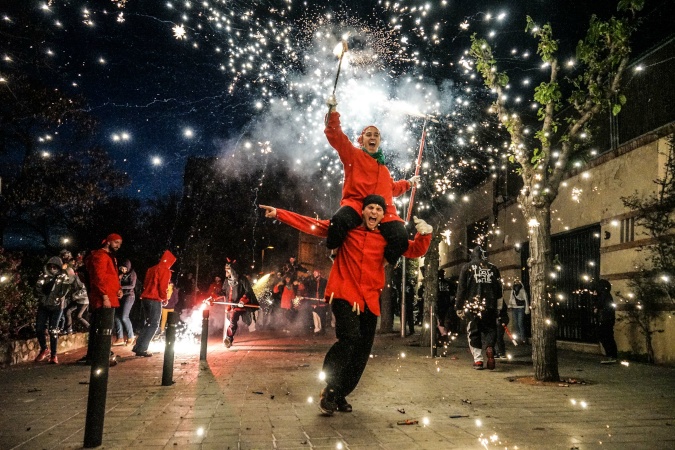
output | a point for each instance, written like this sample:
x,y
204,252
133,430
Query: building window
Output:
x,y
628,230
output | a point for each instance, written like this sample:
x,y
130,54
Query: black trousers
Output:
x,y
606,338
482,330
347,358
393,232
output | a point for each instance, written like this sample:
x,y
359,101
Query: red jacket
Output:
x,y
157,279
357,275
103,278
287,295
363,174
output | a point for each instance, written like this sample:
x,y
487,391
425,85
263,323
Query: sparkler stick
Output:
x,y
508,333
342,51
417,169
210,301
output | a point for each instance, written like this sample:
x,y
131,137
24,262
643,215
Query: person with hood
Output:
x,y
605,315
519,305
236,289
52,287
155,294
353,290
365,174
122,322
478,292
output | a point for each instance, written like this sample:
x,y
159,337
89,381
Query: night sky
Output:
x,y
169,79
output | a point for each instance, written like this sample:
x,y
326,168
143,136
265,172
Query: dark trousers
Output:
x,y
482,330
233,316
606,338
81,309
347,358
393,232
500,345
153,313
122,322
48,320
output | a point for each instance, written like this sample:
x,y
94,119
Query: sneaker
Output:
x,y
608,361
478,365
228,342
343,405
490,353
145,354
41,356
327,403
502,357
54,360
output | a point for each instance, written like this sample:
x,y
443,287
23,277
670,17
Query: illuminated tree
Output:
x,y
545,160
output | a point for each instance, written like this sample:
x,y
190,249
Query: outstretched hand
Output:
x,y
331,101
270,212
414,181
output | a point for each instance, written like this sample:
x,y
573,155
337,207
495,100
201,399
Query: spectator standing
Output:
x,y
79,303
605,314
316,288
52,288
287,290
173,296
103,284
123,324
479,289
155,294
519,305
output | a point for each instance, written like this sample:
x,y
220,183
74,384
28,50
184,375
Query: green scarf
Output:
x,y
377,156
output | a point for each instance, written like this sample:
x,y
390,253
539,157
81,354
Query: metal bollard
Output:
x,y
205,334
101,327
169,348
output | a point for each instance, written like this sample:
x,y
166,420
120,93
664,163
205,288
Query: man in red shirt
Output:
x,y
103,283
353,289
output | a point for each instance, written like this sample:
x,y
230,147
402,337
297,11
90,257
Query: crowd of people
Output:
x,y
363,236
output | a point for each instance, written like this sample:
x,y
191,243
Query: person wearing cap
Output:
x,y
478,292
103,285
155,294
353,289
364,174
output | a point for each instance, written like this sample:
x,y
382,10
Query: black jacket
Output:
x,y
479,279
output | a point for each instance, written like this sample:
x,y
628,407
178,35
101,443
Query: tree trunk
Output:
x,y
544,326
430,284
387,303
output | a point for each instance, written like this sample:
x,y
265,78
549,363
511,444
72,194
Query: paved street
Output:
x,y
262,394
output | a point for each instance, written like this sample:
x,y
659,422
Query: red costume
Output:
x,y
103,278
357,275
363,174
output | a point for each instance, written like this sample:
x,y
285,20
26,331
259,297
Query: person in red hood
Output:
x,y
353,290
155,294
365,174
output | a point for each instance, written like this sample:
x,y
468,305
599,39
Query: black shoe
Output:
x,y
145,354
84,360
228,342
327,403
343,405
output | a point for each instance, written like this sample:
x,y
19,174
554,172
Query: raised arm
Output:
x,y
336,137
315,227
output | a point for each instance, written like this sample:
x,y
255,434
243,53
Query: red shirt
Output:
x,y
363,174
357,275
103,278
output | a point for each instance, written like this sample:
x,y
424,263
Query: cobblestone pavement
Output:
x,y
262,394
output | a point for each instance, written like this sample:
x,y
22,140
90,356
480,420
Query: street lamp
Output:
x,y
262,257
65,241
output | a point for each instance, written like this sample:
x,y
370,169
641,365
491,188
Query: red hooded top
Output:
x,y
103,278
363,174
157,279
357,275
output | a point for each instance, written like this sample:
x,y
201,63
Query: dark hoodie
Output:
x,y
479,278
157,279
52,288
128,280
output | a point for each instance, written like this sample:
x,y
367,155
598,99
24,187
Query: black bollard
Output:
x,y
101,327
205,334
169,347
